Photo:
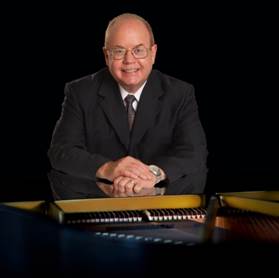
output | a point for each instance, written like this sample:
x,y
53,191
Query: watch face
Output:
x,y
155,170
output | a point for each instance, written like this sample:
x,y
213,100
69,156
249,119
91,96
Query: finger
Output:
x,y
126,185
142,171
116,192
130,173
129,187
137,188
119,183
135,173
117,180
136,167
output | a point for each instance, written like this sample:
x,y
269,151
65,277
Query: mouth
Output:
x,y
132,70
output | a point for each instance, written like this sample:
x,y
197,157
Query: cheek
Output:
x,y
113,66
148,65
115,70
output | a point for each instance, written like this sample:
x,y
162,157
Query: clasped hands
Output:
x,y
130,177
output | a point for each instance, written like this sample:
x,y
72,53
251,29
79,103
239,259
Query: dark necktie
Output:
x,y
129,99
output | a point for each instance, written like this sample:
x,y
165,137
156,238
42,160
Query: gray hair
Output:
x,y
129,16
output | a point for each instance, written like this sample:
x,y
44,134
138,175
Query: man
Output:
x,y
152,142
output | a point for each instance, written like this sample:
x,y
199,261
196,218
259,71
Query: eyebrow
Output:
x,y
120,46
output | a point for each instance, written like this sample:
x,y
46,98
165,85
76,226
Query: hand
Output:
x,y
128,167
131,186
109,191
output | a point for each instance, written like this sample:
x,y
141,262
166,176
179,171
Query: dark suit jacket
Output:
x,y
93,129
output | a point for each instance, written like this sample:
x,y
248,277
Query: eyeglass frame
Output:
x,y
110,50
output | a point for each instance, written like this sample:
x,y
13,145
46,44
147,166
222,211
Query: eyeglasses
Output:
x,y
139,52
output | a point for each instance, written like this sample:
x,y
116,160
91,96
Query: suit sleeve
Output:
x,y
188,152
67,152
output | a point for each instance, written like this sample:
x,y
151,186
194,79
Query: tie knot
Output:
x,y
129,99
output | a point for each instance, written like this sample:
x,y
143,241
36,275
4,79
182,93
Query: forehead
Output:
x,y
128,33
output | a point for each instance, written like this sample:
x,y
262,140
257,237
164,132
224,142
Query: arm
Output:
x,y
188,152
67,152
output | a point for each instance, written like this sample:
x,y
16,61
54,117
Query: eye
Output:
x,y
119,51
138,50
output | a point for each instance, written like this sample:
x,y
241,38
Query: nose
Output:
x,y
129,57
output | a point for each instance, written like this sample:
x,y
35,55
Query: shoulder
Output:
x,y
85,89
171,85
88,81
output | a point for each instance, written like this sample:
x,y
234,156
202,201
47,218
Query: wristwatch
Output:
x,y
156,171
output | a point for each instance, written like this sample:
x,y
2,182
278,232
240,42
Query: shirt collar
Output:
x,y
137,94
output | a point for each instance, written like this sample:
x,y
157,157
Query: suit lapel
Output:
x,y
147,110
112,105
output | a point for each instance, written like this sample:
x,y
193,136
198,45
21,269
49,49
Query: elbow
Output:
x,y
55,156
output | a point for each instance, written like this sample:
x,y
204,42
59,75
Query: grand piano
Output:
x,y
139,236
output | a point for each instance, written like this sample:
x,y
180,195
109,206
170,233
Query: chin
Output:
x,y
131,84
130,88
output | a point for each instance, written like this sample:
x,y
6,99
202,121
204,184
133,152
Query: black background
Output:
x,y
227,51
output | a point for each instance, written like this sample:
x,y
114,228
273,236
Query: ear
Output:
x,y
153,52
106,54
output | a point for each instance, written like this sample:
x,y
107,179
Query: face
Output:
x,y
130,72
